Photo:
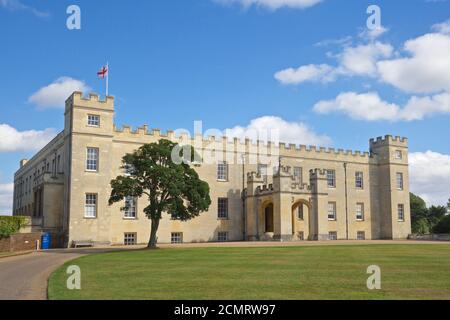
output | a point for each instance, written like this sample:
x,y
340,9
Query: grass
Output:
x,y
315,272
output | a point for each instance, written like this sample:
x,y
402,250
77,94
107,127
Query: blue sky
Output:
x,y
309,64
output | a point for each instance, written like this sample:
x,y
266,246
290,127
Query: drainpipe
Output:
x,y
346,201
244,213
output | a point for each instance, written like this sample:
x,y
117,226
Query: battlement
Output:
x,y
267,188
254,176
91,101
388,140
316,173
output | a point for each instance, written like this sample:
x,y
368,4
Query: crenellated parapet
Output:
x,y
92,101
265,189
388,140
254,177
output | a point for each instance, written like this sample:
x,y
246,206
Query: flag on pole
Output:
x,y
104,73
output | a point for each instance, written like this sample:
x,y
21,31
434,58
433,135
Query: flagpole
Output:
x,y
107,78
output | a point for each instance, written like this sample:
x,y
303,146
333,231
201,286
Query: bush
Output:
x,y
421,227
443,226
10,225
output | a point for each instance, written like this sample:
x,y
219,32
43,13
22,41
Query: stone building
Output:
x,y
306,193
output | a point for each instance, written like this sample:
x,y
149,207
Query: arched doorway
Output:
x,y
300,219
268,218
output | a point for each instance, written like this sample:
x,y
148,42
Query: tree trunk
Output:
x,y
154,229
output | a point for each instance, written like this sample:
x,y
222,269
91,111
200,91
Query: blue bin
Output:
x,y
46,241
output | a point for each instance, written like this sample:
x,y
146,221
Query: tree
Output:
x,y
443,225
435,215
170,187
419,215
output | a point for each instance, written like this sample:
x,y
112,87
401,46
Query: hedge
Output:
x,y
10,225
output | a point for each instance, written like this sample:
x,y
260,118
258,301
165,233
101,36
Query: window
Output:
x,y
361,235
93,120
262,171
332,235
129,239
398,154
399,181
359,180
222,236
360,211
331,178
298,174
92,159
401,212
332,211
222,171
130,208
222,208
90,207
176,237
300,212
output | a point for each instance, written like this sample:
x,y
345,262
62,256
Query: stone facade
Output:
x,y
311,194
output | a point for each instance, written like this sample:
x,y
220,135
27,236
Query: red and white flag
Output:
x,y
103,72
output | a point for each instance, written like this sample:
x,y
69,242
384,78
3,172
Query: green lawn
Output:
x,y
313,272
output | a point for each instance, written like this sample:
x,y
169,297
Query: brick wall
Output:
x,y
20,242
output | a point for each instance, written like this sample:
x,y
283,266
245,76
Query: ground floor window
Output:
x,y
222,236
361,235
130,239
332,235
177,237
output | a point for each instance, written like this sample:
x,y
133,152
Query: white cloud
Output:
x,y
273,4
13,140
370,107
15,5
424,71
6,199
55,94
278,130
443,27
304,73
430,176
372,34
353,60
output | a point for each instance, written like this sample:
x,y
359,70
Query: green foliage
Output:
x,y
10,225
443,226
170,187
426,220
421,226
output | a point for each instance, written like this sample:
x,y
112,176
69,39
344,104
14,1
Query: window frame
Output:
x,y
362,206
90,205
401,218
219,212
359,177
398,155
95,124
332,236
358,235
298,174
334,204
399,182
222,233
301,212
222,171
97,160
332,179
176,235
126,238
126,211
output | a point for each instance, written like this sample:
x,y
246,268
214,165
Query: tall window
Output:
x,y
94,120
92,159
176,237
300,212
130,208
222,171
401,212
360,211
222,236
331,178
262,171
332,211
359,180
130,239
90,207
298,174
222,208
399,181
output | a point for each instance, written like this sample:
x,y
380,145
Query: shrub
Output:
x,y
10,225
443,225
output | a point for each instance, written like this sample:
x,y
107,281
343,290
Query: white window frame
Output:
x,y
332,205
130,238
298,174
94,120
399,180
90,161
360,211
222,236
332,235
401,212
331,178
130,212
90,205
222,211
359,180
176,237
222,171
